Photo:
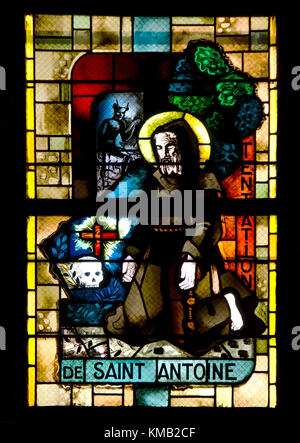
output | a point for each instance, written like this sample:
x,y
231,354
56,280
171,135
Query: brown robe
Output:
x,y
156,308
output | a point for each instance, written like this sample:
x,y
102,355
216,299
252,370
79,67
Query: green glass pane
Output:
x,y
262,190
53,43
82,39
261,346
152,396
259,41
262,274
262,312
262,253
262,230
65,92
60,143
81,21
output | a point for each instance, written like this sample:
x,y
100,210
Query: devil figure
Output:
x,y
116,132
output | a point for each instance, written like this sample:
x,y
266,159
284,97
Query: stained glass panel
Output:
x,y
100,92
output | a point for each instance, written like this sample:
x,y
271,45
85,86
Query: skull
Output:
x,y
87,272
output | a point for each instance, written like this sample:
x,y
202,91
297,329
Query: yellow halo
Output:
x,y
163,118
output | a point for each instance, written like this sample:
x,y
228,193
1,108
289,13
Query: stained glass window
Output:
x,y
106,98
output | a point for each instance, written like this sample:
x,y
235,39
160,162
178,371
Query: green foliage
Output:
x,y
231,87
193,104
215,121
209,60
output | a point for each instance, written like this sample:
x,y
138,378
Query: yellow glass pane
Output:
x,y
47,370
31,234
192,402
29,70
31,303
236,58
233,42
227,249
31,387
53,25
272,323
193,390
30,146
259,23
29,109
46,92
47,297
263,91
146,150
192,20
204,154
273,147
82,395
128,395
108,389
261,364
199,128
273,246
272,266
262,157
261,231
31,351
273,111
272,297
31,326
272,341
181,35
106,33
252,393
29,36
273,62
272,30
232,25
262,173
273,397
59,192
272,188
262,136
126,34
52,394
272,364
30,184
256,64
53,118
273,224
31,275
224,397
55,65
107,400
273,171
47,321
157,120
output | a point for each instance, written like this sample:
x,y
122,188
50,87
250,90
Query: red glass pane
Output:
x,y
94,67
90,88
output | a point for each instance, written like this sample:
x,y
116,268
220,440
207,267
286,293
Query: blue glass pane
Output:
x,y
151,34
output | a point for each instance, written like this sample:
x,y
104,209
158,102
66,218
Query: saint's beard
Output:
x,y
171,165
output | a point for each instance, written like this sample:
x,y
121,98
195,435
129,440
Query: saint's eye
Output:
x,y
87,273
97,273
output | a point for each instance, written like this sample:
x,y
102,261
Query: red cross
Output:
x,y
97,236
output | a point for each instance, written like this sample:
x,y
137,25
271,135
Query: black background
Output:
x,y
14,209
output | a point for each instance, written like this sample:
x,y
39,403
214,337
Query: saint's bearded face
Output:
x,y
167,148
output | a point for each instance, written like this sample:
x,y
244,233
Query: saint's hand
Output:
x,y
128,269
188,273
